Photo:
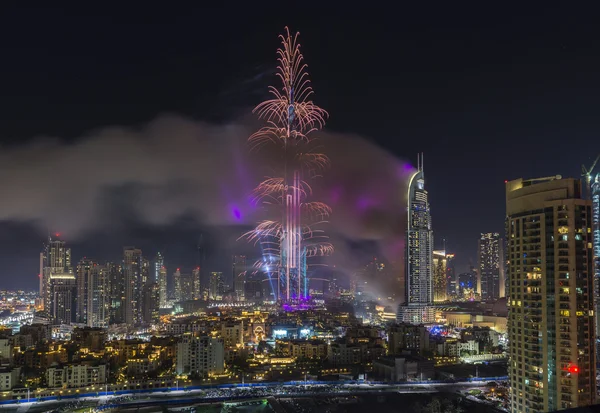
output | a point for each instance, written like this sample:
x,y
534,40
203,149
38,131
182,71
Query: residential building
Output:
x,y
551,314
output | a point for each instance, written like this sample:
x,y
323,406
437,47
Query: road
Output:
x,y
237,391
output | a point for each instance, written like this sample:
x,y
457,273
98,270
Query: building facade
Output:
x,y
202,356
54,259
239,276
216,287
133,268
551,315
440,276
491,277
419,254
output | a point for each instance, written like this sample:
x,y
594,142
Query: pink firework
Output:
x,y
294,232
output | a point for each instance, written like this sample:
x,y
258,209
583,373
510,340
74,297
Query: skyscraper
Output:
x,y
162,286
490,266
595,195
551,317
177,285
63,290
85,267
98,307
239,275
419,253
452,281
117,293
159,263
150,299
197,294
216,286
440,280
133,274
56,259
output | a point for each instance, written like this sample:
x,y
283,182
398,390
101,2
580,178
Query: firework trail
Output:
x,y
292,234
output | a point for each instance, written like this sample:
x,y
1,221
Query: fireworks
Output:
x,y
293,233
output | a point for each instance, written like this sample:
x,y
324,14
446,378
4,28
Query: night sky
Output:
x,y
487,94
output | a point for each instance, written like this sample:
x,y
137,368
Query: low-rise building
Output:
x,y
9,377
75,375
396,369
200,356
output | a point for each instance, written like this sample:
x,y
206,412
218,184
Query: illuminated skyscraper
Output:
x,y
63,290
419,253
595,194
133,274
239,276
490,266
160,276
177,285
197,294
116,281
451,278
98,307
85,267
440,276
551,318
216,286
159,263
56,259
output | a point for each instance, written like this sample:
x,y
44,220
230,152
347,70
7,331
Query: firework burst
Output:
x,y
293,233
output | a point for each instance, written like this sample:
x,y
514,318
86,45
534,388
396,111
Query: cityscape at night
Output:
x,y
288,212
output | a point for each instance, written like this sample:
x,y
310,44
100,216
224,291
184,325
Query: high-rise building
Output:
x,y
419,254
490,266
98,307
177,285
159,263
162,285
85,267
551,314
216,287
196,294
117,293
151,301
452,281
63,290
239,275
55,259
133,273
595,195
440,276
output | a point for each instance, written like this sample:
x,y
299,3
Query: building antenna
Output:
x,y
418,162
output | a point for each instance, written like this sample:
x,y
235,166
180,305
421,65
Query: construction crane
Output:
x,y
587,174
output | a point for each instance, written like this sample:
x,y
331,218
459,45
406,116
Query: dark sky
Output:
x,y
487,94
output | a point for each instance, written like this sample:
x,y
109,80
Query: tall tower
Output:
x,y
63,290
177,285
216,286
85,267
98,297
159,263
292,233
133,274
56,259
419,253
595,195
239,275
440,276
551,315
196,293
451,280
490,265
116,282
162,286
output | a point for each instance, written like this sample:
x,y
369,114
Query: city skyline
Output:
x,y
454,145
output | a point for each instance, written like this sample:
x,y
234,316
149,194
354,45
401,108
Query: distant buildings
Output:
x,y
62,302
551,314
452,281
490,283
419,254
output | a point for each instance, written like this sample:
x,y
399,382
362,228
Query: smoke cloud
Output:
x,y
174,166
